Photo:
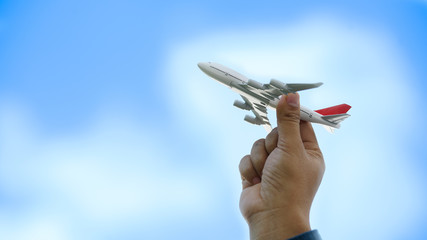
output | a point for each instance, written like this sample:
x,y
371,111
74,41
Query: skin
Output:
x,y
281,175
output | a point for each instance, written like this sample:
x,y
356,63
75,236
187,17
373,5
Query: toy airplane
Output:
x,y
257,97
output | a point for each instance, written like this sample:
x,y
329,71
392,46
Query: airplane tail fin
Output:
x,y
334,115
338,109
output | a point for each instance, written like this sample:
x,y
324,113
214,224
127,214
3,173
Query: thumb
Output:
x,y
288,119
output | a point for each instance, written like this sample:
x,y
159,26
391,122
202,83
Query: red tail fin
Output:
x,y
338,109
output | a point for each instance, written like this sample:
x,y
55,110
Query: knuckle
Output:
x,y
258,158
289,146
259,142
316,152
256,155
258,146
273,133
245,164
271,140
293,117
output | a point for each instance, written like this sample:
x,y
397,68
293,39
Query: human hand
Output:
x,y
281,176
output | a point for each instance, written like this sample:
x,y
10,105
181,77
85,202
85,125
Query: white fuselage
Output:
x,y
233,79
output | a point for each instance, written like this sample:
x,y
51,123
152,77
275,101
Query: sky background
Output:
x,y
108,129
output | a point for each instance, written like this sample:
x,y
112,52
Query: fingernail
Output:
x,y
293,99
256,180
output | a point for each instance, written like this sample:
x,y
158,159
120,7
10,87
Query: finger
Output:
x,y
288,119
309,139
307,133
247,170
259,156
271,141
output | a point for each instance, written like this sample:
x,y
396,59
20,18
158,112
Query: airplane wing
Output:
x,y
276,88
269,92
260,111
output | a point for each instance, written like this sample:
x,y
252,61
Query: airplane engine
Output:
x,y
278,84
255,84
252,120
241,105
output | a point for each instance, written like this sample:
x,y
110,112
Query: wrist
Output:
x,y
277,224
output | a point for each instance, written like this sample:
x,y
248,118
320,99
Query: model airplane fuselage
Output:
x,y
257,97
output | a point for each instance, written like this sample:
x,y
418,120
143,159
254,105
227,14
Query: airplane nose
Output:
x,y
202,65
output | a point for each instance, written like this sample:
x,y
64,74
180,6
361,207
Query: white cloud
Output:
x,y
39,228
369,177
109,176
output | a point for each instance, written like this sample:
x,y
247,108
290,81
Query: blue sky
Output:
x,y
108,130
